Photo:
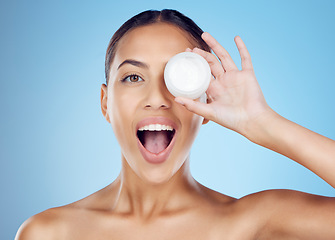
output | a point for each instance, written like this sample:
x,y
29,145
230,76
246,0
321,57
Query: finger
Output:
x,y
226,60
244,53
198,108
216,67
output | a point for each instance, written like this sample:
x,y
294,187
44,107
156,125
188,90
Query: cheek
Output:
x,y
122,109
121,105
191,124
191,120
195,123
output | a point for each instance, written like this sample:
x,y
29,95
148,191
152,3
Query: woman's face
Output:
x,y
136,99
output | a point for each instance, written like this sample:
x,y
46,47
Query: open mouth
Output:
x,y
155,137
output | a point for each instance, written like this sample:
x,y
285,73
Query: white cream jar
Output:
x,y
187,74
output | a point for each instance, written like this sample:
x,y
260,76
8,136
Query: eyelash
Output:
x,y
124,80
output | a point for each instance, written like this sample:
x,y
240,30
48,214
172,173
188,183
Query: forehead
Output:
x,y
159,40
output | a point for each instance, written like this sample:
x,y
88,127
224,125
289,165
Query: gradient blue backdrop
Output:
x,y
56,147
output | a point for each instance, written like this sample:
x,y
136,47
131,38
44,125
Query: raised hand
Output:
x,y
236,101
234,96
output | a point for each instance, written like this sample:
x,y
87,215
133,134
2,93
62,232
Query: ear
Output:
x,y
103,99
205,121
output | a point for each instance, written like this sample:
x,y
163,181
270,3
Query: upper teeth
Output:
x,y
156,127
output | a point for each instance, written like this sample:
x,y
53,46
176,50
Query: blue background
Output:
x,y
55,145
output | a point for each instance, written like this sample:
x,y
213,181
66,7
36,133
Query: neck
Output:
x,y
146,200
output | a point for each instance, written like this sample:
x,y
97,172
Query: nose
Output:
x,y
158,96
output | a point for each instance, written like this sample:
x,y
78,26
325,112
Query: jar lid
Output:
x,y
187,74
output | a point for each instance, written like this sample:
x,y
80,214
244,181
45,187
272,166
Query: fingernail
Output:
x,y
204,35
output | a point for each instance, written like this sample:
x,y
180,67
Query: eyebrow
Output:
x,y
134,63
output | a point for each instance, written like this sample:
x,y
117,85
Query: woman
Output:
x,y
155,196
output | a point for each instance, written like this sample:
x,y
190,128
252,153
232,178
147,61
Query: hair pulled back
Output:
x,y
149,17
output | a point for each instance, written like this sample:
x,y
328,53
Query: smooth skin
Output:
x,y
164,201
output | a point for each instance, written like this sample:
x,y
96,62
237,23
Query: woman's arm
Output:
x,y
236,101
306,147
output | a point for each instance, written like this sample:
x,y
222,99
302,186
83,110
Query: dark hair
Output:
x,y
149,17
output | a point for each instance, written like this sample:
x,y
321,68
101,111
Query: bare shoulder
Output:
x,y
287,200
56,223
44,225
289,213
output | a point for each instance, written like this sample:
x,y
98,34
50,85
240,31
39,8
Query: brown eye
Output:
x,y
132,79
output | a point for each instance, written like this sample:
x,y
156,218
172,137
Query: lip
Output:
x,y
161,157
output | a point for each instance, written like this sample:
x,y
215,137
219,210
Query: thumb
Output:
x,y
198,108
